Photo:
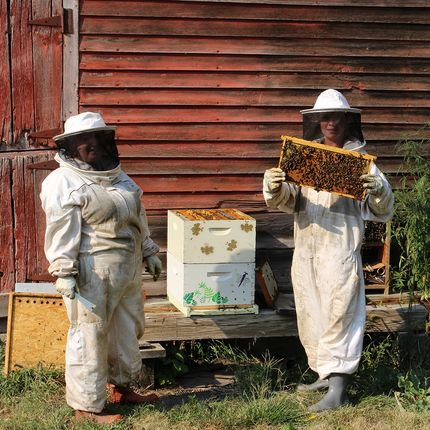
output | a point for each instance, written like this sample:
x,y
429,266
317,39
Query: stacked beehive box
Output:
x,y
211,261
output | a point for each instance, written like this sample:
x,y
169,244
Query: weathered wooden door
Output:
x,y
31,58
31,71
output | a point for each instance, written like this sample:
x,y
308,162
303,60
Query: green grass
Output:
x,y
34,399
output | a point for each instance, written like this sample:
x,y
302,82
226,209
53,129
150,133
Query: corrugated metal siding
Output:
x,y
202,91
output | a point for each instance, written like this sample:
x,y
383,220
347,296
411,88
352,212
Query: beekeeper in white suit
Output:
x,y
96,238
327,274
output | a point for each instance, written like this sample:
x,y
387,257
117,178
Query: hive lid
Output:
x,y
211,214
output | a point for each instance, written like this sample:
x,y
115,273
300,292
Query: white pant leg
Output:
x,y
126,328
111,282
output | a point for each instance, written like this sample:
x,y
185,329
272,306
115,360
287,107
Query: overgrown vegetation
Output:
x,y
410,225
385,394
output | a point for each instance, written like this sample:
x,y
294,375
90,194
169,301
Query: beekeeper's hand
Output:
x,y
154,266
273,178
66,286
374,184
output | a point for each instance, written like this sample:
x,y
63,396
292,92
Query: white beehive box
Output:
x,y
212,288
211,236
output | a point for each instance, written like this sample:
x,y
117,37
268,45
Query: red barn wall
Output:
x,y
201,92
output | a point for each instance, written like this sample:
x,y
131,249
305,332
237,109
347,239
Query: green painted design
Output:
x,y
189,298
204,294
218,299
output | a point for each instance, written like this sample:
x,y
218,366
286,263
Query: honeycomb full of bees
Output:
x,y
324,168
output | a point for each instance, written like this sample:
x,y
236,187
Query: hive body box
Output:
x,y
211,261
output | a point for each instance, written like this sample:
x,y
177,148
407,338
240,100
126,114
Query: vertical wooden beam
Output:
x,y
5,83
40,265
7,265
21,224
71,63
22,70
47,58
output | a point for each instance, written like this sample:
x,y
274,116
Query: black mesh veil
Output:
x,y
106,138
312,130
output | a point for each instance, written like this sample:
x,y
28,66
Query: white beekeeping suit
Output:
x,y
96,238
327,274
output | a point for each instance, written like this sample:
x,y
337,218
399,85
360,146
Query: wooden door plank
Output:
x,y
22,69
40,264
47,56
5,81
20,223
7,265
30,256
71,63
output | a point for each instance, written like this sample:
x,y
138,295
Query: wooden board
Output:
x,y
267,282
273,12
164,322
324,168
36,331
7,263
5,77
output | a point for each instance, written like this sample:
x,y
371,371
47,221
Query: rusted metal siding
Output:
x,y
202,91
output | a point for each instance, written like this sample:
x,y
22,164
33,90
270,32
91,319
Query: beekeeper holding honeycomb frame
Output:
x,y
327,273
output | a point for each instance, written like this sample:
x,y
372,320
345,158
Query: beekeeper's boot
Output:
x,y
336,395
122,395
317,386
99,417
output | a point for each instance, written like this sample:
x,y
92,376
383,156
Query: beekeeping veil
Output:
x,y
89,122
331,101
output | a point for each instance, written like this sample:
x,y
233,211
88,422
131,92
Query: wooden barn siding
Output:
x,y
31,74
202,91
22,228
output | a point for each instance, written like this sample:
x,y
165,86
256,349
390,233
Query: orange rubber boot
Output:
x,y
99,417
121,395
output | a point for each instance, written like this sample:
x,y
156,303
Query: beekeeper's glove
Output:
x,y
154,266
374,184
66,286
273,178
